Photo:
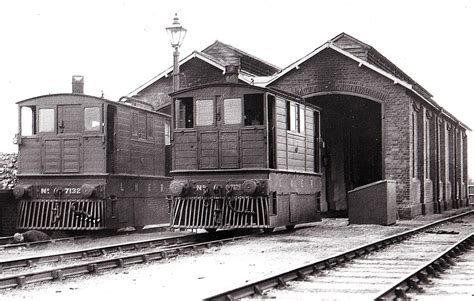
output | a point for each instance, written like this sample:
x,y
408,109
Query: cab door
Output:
x,y
69,119
69,129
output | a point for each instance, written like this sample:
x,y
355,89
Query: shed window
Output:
x,y
232,111
46,120
253,109
204,112
149,128
135,124
28,121
92,119
184,113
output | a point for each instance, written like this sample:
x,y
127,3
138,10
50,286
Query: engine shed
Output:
x,y
377,123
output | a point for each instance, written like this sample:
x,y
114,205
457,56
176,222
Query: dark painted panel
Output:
x,y
229,141
52,155
71,155
185,150
30,155
94,155
209,150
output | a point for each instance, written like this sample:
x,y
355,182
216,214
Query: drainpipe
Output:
x,y
438,163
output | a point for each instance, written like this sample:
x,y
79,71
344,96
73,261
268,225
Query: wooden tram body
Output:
x,y
243,157
86,163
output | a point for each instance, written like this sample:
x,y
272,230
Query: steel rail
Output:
x,y
35,243
421,275
92,267
103,250
280,280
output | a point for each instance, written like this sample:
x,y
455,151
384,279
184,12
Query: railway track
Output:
x,y
28,270
448,276
364,272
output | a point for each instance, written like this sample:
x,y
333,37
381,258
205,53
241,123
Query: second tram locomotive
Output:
x,y
87,163
243,157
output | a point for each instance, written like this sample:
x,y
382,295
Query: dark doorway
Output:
x,y
111,126
352,157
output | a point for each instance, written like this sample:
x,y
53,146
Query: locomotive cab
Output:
x,y
243,157
87,163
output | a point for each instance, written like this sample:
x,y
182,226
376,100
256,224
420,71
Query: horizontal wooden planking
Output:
x,y
208,162
209,152
93,155
209,145
253,152
186,163
229,145
52,155
185,137
229,136
296,156
253,147
296,165
208,137
185,146
185,154
229,152
71,155
30,151
252,136
253,161
297,143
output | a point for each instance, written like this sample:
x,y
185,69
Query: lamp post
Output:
x,y
176,34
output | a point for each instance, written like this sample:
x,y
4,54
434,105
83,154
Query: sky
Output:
x,y
119,45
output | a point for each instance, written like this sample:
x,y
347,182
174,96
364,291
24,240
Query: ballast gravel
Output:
x,y
201,274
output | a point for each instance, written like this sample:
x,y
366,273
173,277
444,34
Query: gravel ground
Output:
x,y
205,273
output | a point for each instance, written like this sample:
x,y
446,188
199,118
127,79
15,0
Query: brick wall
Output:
x,y
331,72
8,213
194,72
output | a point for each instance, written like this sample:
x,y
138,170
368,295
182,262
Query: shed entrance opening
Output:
x,y
351,129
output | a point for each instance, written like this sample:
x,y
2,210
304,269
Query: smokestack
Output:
x,y
231,74
78,84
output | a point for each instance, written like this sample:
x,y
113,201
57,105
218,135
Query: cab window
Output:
x,y
92,119
184,113
253,109
46,120
28,121
204,112
232,111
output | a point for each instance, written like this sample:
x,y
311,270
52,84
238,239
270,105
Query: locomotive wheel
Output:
x,y
211,230
268,230
290,227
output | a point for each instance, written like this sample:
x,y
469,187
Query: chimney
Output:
x,y
231,74
78,84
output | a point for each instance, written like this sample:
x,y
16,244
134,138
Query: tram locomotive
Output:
x,y
243,157
87,163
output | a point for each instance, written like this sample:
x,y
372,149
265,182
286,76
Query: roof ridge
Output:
x,y
242,52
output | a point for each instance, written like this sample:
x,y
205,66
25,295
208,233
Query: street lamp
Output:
x,y
176,34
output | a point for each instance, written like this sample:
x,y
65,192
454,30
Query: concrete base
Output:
x,y
374,203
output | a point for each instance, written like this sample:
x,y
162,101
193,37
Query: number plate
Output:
x,y
51,191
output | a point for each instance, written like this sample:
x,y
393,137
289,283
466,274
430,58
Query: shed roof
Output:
x,y
248,62
219,55
369,57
